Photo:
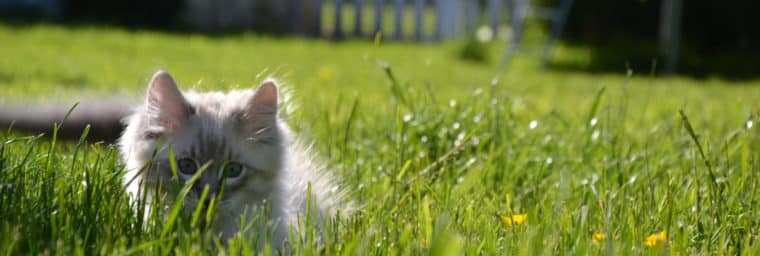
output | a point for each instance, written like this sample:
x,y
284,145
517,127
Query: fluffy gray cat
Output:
x,y
252,157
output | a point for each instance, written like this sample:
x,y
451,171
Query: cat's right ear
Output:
x,y
165,102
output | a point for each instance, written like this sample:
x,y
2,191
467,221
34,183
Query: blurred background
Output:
x,y
697,38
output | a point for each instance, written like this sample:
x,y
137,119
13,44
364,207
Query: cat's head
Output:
x,y
236,134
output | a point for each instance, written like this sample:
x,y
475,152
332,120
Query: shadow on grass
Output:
x,y
644,58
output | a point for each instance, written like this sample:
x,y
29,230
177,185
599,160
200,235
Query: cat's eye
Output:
x,y
187,166
233,170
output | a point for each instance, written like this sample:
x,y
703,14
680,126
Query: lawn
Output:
x,y
442,156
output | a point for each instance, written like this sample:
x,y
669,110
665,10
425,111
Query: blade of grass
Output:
x,y
179,201
713,180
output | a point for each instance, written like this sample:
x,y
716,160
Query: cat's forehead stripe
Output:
x,y
210,145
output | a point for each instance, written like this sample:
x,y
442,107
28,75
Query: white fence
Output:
x,y
451,18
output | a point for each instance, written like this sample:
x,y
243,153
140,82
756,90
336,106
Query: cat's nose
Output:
x,y
212,195
213,189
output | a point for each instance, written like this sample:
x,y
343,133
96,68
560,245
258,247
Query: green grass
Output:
x,y
434,150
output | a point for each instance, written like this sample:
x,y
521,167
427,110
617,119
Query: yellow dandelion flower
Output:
x,y
663,235
424,241
516,219
653,239
325,73
650,241
598,237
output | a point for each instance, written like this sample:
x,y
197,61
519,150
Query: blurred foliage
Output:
x,y
131,13
718,38
474,50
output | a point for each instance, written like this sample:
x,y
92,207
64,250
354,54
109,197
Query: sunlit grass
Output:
x,y
442,156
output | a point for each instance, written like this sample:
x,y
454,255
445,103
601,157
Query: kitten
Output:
x,y
252,154
253,158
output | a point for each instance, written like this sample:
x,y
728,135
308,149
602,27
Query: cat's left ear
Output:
x,y
260,112
166,101
264,100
